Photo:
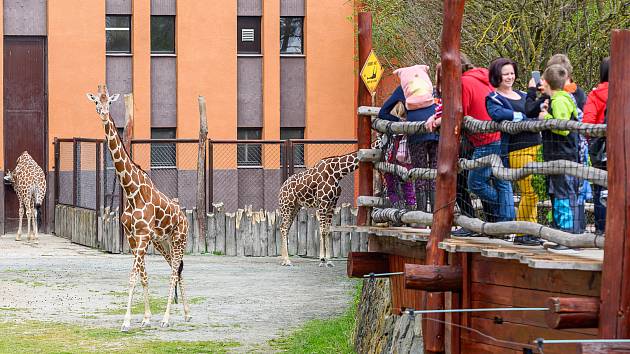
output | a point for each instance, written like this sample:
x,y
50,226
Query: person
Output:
x,y
416,93
594,113
394,184
507,104
495,193
561,145
463,200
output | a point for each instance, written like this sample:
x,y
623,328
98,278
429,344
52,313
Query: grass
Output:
x,y
157,304
46,337
217,253
323,336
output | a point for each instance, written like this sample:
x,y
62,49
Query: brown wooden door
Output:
x,y
25,113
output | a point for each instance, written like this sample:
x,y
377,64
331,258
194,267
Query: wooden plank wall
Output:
x,y
507,283
243,233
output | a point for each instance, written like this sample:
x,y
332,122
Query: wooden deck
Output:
x,y
534,257
402,233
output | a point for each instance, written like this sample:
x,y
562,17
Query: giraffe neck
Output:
x,y
346,164
125,167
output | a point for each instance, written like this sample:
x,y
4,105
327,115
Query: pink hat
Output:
x,y
416,85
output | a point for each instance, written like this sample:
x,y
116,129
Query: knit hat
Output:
x,y
416,85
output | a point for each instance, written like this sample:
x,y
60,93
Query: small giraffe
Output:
x,y
317,187
149,217
29,183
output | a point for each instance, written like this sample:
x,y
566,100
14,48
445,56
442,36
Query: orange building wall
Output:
x,y
76,65
330,70
271,81
206,65
141,71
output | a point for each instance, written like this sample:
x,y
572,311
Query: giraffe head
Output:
x,y
102,100
8,177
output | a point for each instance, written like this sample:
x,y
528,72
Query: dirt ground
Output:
x,y
243,299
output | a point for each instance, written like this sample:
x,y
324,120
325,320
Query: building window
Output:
x,y
163,155
249,154
248,34
291,35
163,34
298,149
118,33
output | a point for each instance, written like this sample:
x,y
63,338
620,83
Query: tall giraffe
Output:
x,y
149,217
29,182
317,187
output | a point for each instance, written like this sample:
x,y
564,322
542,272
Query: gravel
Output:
x,y
244,299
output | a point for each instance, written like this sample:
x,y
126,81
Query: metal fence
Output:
x,y
250,172
239,173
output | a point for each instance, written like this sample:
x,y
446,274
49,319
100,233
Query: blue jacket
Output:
x,y
416,115
500,108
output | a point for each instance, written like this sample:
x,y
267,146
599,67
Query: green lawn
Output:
x,y
48,337
323,336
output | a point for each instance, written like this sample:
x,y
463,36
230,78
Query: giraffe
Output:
x,y
29,182
149,217
317,187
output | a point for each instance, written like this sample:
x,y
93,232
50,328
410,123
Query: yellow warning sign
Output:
x,y
371,72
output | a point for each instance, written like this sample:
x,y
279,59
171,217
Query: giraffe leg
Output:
x,y
29,217
288,214
167,256
18,237
178,246
141,244
325,217
35,240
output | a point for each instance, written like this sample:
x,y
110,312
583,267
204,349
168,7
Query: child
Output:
x,y
561,145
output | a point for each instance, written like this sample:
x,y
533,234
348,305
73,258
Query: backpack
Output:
x,y
597,148
416,85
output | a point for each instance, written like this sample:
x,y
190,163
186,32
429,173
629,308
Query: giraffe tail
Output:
x,y
179,274
38,207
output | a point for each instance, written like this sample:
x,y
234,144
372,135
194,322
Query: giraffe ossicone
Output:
x,y
317,187
149,217
29,182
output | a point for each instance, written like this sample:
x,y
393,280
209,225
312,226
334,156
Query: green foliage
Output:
x,y
323,336
47,337
408,32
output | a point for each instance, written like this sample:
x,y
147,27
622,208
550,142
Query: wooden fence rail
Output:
x,y
241,233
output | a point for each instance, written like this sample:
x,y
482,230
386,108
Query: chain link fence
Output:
x,y
243,172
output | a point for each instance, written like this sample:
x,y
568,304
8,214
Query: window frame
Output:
x,y
298,159
110,29
160,150
252,152
255,48
174,37
288,32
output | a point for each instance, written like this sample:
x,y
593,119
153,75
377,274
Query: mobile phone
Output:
x,y
536,77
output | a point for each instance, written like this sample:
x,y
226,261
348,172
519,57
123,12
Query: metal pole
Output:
x,y
75,172
210,179
98,189
56,182
496,309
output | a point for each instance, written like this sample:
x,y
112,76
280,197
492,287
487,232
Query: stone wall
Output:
x,y
377,330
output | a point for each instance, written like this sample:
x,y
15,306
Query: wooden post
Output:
x,y
615,296
448,150
364,130
127,136
201,172
572,312
433,278
362,263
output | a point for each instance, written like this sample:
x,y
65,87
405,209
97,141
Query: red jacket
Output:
x,y
595,106
475,88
